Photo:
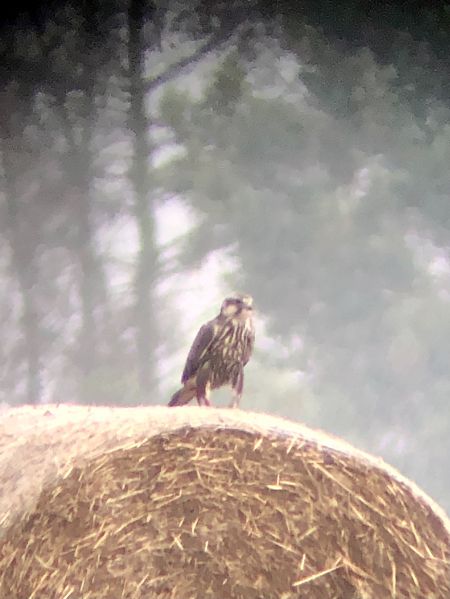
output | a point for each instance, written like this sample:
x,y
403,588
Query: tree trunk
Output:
x,y
87,262
79,174
24,269
144,320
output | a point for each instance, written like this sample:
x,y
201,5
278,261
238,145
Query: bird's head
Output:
x,y
239,305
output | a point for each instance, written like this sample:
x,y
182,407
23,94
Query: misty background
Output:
x,y
157,155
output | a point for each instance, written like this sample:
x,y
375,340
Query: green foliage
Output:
x,y
173,107
321,191
227,85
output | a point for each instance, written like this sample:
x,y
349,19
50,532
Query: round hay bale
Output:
x,y
103,503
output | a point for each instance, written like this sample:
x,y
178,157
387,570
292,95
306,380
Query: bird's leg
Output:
x,y
207,394
238,386
236,400
203,393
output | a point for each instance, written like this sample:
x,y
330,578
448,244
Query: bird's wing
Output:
x,y
250,342
199,347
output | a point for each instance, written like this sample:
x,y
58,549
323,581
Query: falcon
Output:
x,y
220,351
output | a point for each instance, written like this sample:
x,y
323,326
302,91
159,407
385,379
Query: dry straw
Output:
x,y
195,503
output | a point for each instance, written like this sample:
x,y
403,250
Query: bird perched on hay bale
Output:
x,y
220,351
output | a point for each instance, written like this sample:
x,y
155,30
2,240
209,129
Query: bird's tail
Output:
x,y
183,396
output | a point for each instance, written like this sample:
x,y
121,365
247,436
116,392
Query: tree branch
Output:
x,y
173,70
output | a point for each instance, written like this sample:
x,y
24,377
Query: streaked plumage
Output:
x,y
220,351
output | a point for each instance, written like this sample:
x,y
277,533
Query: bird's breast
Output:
x,y
226,353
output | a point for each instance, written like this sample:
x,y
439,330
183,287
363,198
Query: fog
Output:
x,y
155,158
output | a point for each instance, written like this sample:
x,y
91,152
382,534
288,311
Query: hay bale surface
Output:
x,y
154,502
